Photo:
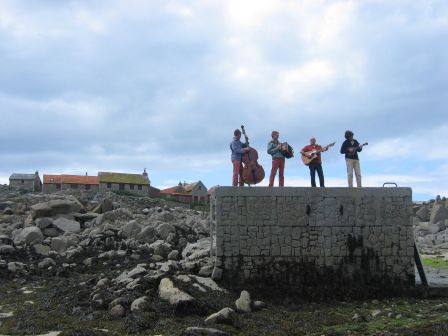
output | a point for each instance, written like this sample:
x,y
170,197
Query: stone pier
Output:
x,y
313,236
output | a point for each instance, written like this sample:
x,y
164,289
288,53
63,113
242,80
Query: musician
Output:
x,y
278,160
238,149
350,148
315,165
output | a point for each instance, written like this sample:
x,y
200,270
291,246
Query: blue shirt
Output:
x,y
236,146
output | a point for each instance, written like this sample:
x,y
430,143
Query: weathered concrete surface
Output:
x,y
314,236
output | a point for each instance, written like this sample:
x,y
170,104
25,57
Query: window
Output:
x,y
87,186
139,187
132,186
121,186
73,186
58,186
109,185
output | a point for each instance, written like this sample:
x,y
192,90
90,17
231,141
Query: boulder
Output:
x,y
106,205
164,230
160,248
31,235
438,213
58,245
41,249
197,250
67,225
423,214
44,222
199,331
243,304
174,295
131,229
147,234
55,207
140,304
117,311
7,249
225,315
47,262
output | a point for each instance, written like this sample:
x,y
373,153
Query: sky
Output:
x,y
108,85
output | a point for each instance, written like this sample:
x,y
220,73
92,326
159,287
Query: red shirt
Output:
x,y
309,148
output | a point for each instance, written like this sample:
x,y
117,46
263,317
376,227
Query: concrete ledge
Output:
x,y
290,236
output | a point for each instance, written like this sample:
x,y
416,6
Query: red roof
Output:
x,y
71,179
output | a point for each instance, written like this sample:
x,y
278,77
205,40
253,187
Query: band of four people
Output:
x,y
311,155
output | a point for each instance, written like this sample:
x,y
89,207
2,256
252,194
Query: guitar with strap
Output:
x,y
253,172
309,156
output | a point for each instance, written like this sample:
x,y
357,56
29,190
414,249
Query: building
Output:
x,y
188,193
55,183
134,183
31,182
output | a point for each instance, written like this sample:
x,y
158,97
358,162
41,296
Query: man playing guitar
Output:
x,y
310,151
350,147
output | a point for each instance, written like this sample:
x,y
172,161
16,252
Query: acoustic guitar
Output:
x,y
311,155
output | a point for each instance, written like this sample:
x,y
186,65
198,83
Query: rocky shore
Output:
x,y
99,264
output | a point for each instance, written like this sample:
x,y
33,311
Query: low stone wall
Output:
x,y
313,236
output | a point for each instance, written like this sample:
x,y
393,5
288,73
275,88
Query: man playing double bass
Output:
x,y
278,160
238,149
315,165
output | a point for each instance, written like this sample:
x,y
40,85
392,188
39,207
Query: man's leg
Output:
x,y
349,163
320,172
281,172
236,172
273,172
312,167
357,168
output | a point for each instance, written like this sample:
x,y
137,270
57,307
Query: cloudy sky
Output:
x,y
88,86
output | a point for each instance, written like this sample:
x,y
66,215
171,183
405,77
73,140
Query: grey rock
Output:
x,y
44,222
139,270
31,235
55,207
198,331
41,249
206,270
7,249
67,225
438,213
8,211
51,232
243,304
423,214
140,304
47,262
225,315
197,250
164,230
58,244
147,234
173,295
117,311
217,274
106,205
131,229
174,255
161,248
258,305
16,267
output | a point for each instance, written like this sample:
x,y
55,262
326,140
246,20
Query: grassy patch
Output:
x,y
435,262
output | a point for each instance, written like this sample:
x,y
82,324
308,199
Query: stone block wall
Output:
x,y
309,236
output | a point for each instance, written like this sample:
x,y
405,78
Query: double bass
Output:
x,y
253,172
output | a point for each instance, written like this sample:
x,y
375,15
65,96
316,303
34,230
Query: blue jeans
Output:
x,y
313,168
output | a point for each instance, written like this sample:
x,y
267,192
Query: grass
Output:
x,y
435,262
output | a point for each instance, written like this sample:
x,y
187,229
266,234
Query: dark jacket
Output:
x,y
345,149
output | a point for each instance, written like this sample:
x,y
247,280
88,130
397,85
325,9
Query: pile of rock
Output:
x,y
431,226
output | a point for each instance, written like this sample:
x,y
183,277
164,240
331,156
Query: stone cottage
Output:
x,y
55,183
188,192
134,183
31,182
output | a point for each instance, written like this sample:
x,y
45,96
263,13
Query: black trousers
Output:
x,y
313,168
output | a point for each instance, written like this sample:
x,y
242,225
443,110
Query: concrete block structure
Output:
x,y
309,236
